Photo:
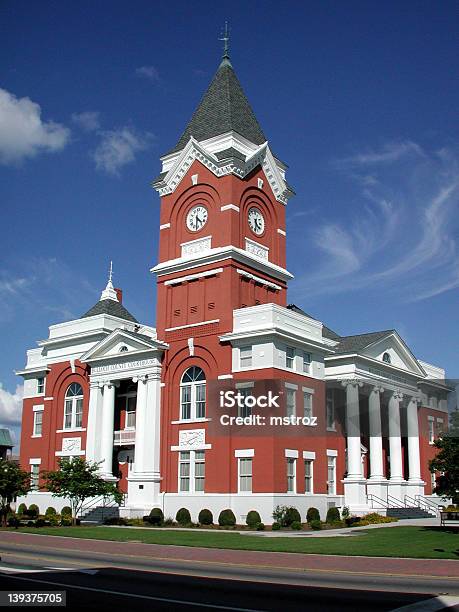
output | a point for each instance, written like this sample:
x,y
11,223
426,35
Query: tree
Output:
x,y
77,480
13,482
447,460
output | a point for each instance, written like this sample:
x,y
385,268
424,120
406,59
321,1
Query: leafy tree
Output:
x,y
447,460
14,481
78,480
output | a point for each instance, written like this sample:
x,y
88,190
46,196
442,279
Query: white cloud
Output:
x,y
88,121
390,152
11,406
23,133
118,148
149,72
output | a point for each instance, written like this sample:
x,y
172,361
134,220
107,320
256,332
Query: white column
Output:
x,y
108,420
414,462
94,422
354,461
140,429
376,447
395,441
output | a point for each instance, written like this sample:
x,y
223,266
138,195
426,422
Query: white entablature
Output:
x,y
177,164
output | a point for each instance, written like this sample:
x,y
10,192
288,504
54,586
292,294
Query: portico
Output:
x,y
121,357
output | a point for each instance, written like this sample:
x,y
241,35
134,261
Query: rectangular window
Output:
x,y
306,363
79,413
34,476
331,482
431,430
131,404
199,470
291,402
200,401
68,414
184,471
40,385
244,411
290,357
38,423
330,409
433,480
308,482
439,427
245,356
291,475
307,400
192,472
245,474
185,403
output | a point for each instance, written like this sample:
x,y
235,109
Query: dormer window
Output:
x,y
386,358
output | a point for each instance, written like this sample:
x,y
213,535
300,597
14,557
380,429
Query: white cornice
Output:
x,y
279,333
219,254
177,165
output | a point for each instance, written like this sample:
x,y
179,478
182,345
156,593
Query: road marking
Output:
x,y
431,605
196,604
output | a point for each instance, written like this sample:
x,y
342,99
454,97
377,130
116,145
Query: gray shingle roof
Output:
x,y
354,344
110,307
223,108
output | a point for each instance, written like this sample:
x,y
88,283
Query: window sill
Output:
x,y
36,436
71,430
331,429
190,421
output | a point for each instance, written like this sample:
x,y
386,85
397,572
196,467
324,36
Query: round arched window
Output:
x,y
73,407
193,394
386,358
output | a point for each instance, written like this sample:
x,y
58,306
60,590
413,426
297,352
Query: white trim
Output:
x,y
188,421
183,449
71,429
183,279
224,376
281,232
230,207
245,385
244,453
35,461
258,279
291,454
168,329
182,244
252,246
332,452
48,399
36,436
310,455
68,454
308,390
38,408
291,385
164,226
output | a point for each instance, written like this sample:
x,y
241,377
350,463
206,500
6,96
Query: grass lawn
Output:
x,y
414,542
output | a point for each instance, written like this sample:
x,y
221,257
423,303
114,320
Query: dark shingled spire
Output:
x,y
110,307
223,108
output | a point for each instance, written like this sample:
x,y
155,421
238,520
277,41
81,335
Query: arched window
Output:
x,y
73,407
386,358
193,394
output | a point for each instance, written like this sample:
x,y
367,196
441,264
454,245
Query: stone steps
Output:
x,y
409,513
100,514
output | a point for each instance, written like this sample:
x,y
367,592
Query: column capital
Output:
x,y
415,399
353,382
397,394
110,383
95,385
143,378
377,388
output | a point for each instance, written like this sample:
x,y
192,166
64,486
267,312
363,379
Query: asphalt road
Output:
x,y
95,582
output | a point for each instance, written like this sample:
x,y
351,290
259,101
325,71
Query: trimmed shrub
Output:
x,y
373,518
361,523
275,526
183,517
53,519
13,521
312,515
260,527
116,520
66,521
316,525
33,511
296,525
291,516
66,511
40,522
156,516
50,511
226,518
252,519
22,509
205,517
333,515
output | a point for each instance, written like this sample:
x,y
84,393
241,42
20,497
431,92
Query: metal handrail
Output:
x,y
395,503
428,504
101,500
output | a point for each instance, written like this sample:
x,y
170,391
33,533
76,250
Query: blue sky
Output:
x,y
359,98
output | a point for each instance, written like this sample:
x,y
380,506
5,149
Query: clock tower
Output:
x,y
222,240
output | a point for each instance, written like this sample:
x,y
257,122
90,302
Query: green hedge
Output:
x,y
226,518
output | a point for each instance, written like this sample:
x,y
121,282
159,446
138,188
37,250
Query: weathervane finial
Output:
x,y
110,272
225,39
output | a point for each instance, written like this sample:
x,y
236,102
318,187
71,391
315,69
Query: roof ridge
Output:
x,y
382,331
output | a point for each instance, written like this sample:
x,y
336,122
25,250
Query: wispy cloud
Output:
x,y
148,72
87,121
23,133
403,236
119,147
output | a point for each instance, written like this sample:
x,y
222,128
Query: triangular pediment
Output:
x,y
121,343
392,351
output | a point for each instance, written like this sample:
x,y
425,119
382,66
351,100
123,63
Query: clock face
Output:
x,y
256,221
196,218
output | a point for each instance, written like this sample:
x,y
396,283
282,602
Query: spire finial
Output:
x,y
225,39
109,292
